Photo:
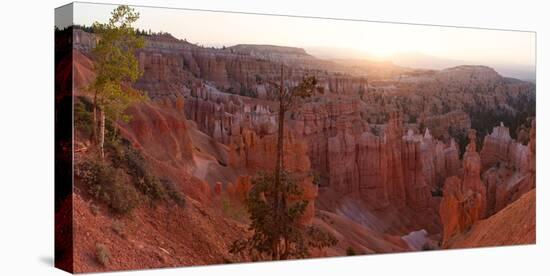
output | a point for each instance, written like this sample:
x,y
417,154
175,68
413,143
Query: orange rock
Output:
x,y
239,190
513,225
372,168
508,168
440,124
309,193
343,173
218,188
464,200
395,182
248,150
459,209
418,192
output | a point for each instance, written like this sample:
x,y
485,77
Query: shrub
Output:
x,y
150,186
350,251
118,228
173,192
119,182
106,184
83,118
145,182
274,226
115,149
233,209
102,254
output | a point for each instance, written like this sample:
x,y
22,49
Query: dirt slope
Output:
x,y
513,225
356,236
161,236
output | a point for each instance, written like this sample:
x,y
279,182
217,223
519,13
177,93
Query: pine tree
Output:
x,y
115,65
274,220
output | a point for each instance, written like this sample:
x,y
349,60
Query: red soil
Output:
x,y
152,236
513,225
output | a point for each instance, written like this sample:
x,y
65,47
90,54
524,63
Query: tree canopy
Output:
x,y
278,234
116,62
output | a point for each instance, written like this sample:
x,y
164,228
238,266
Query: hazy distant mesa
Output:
x,y
511,53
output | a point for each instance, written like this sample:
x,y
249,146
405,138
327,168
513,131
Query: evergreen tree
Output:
x,y
277,234
115,65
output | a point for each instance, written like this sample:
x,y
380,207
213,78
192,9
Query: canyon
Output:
x,y
388,162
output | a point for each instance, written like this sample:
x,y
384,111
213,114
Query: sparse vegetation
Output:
x,y
233,209
145,182
350,251
148,184
83,117
118,228
119,180
107,185
278,234
132,161
173,192
102,254
484,119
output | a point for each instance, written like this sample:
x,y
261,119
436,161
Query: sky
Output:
x,y
330,37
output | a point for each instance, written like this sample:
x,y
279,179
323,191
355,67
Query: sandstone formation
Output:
x,y
239,190
478,74
222,115
499,148
445,163
160,131
417,190
440,124
507,178
169,64
509,167
252,153
513,225
464,200
393,168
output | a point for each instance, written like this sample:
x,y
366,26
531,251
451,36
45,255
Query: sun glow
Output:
x,y
359,39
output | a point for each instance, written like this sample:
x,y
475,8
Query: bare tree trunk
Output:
x,y
280,135
101,133
278,169
93,136
115,130
280,132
